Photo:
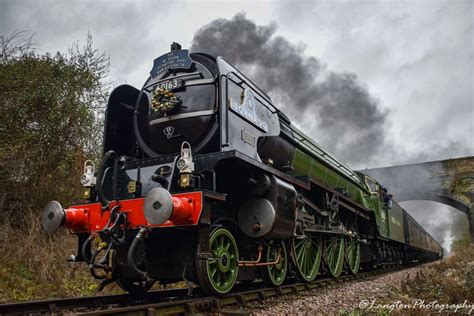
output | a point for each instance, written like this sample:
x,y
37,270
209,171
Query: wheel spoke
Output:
x,y
308,256
353,250
214,271
303,257
334,254
275,274
299,244
309,261
221,273
331,255
300,251
311,251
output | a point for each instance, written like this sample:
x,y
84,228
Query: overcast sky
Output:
x,y
414,58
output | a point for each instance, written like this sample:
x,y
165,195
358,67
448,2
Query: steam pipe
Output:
x,y
100,175
113,218
252,262
131,251
84,248
115,177
263,264
92,265
257,263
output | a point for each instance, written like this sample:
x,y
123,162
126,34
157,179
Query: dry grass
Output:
x,y
33,265
438,287
450,281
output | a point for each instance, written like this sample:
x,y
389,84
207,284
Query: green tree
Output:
x,y
50,121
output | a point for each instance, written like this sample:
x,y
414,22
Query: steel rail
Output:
x,y
175,301
99,301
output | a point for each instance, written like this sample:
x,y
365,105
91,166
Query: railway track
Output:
x,y
173,301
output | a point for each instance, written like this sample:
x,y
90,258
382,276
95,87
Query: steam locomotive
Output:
x,y
203,179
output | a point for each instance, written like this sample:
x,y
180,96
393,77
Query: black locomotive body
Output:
x,y
204,180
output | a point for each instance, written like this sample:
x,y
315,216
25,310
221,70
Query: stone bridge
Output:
x,y
450,182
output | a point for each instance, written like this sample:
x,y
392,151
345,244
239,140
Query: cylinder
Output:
x,y
277,150
272,215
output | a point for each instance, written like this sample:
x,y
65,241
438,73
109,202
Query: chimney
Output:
x,y
175,46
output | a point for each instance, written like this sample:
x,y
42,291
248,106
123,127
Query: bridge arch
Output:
x,y
450,182
435,197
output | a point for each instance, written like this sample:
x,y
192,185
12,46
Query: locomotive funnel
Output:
x,y
53,216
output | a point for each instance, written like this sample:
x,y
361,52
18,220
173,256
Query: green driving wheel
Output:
x,y
334,254
275,274
307,256
217,275
353,253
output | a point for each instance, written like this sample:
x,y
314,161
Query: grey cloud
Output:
x,y
348,120
124,29
414,57
417,57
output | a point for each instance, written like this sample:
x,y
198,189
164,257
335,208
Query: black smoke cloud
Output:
x,y
334,108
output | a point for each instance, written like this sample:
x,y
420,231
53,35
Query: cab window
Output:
x,y
373,186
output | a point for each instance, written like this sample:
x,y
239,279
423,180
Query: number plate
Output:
x,y
170,84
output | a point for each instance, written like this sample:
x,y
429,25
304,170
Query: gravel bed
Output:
x,y
334,299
